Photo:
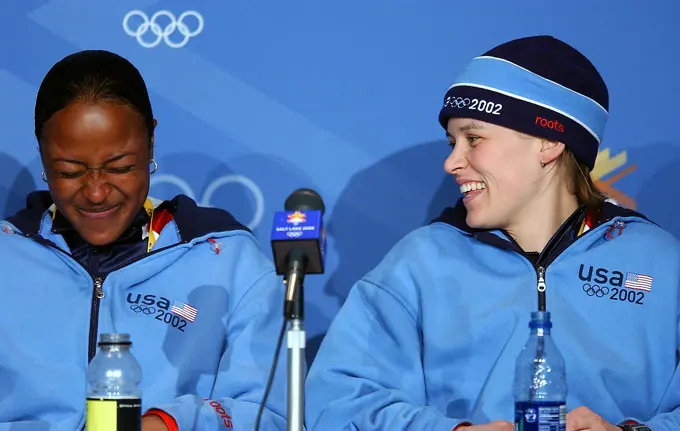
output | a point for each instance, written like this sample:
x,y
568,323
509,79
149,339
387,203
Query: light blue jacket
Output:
x,y
430,337
191,369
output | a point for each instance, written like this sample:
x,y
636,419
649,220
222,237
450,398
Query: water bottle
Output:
x,y
114,400
540,385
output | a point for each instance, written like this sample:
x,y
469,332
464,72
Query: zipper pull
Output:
x,y
540,286
541,279
99,292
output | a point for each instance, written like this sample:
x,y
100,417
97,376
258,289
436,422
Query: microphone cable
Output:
x,y
272,373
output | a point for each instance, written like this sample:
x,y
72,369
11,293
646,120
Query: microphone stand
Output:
x,y
296,340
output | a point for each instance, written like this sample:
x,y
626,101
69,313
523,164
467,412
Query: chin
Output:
x,y
99,239
476,220
102,232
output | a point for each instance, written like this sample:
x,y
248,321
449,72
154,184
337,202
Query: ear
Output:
x,y
550,151
152,142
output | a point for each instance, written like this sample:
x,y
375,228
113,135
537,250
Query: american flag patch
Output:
x,y
184,310
638,281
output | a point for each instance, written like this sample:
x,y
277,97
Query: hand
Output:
x,y
154,423
491,426
582,418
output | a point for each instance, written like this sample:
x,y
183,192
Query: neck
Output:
x,y
539,221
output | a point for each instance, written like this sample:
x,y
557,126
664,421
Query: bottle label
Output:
x,y
540,416
121,414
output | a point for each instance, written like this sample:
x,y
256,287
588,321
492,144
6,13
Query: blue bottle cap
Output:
x,y
540,319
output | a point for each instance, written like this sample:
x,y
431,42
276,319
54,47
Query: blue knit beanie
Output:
x,y
536,85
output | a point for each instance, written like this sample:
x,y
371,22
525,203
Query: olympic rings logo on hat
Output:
x,y
457,102
481,105
163,33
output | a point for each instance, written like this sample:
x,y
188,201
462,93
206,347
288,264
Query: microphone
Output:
x,y
299,248
299,244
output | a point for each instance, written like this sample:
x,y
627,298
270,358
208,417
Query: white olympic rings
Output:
x,y
205,200
162,33
457,102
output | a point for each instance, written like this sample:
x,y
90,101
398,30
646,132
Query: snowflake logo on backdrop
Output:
x,y
163,26
610,169
206,199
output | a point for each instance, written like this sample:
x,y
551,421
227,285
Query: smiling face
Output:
x,y
498,170
96,157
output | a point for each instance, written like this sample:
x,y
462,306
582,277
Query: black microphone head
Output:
x,y
304,200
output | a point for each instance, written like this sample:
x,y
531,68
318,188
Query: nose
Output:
x,y
456,160
96,188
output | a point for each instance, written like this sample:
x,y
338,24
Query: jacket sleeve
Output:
x,y
669,421
668,416
368,373
252,332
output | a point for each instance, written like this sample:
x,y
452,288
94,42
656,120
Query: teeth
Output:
x,y
467,187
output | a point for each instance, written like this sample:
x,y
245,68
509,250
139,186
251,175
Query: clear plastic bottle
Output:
x,y
114,400
540,382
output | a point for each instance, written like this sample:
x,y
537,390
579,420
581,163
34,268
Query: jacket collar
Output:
x,y
563,237
455,216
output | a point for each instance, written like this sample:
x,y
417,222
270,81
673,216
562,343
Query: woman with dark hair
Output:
x,y
94,255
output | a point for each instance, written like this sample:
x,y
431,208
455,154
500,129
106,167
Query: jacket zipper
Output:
x,y
540,287
97,296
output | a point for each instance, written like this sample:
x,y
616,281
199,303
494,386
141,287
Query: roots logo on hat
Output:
x,y
537,85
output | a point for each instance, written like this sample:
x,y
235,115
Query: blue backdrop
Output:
x,y
265,97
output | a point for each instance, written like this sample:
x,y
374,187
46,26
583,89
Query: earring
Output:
x,y
43,176
542,164
155,166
